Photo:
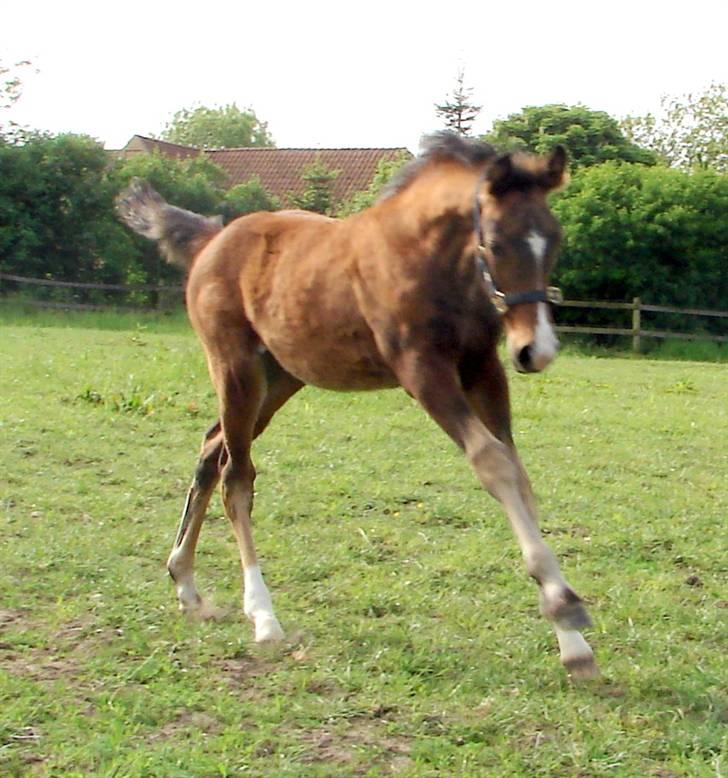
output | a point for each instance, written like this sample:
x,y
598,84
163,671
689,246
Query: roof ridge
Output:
x,y
188,147
168,142
305,148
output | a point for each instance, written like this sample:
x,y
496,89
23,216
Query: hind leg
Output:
x,y
251,387
280,387
241,391
257,604
180,563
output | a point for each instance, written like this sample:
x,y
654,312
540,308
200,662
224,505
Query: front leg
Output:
x,y
435,382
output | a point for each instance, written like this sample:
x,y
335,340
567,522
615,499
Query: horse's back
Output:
x,y
289,275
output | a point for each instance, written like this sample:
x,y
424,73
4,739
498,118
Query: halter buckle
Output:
x,y
499,301
554,295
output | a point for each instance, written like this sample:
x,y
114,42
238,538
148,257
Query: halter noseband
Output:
x,y
503,301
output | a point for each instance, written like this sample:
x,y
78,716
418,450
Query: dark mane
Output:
x,y
443,145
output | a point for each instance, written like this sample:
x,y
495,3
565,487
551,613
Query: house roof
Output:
x,y
141,145
280,170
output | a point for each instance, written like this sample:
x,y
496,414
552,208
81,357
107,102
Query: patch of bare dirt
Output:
x,y
238,670
342,744
192,724
61,655
8,617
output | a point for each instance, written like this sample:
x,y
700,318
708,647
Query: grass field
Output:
x,y
415,647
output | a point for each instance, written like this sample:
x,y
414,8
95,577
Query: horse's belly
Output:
x,y
330,352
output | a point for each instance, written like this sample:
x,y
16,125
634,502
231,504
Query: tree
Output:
x,y
10,91
459,112
361,200
690,132
317,195
226,127
590,137
248,198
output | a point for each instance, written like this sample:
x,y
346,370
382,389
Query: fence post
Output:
x,y
636,324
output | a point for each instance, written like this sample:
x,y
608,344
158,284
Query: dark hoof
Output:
x,y
582,668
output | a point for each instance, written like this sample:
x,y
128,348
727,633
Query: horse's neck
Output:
x,y
436,197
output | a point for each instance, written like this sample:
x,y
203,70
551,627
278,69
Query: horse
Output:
x,y
413,292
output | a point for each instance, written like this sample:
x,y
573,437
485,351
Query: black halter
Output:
x,y
502,301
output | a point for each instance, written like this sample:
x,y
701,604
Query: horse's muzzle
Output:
x,y
535,356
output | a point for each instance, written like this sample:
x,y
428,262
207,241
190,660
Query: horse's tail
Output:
x,y
181,234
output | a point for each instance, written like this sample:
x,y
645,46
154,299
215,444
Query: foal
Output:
x,y
412,292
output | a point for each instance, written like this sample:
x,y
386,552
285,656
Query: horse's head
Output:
x,y
520,240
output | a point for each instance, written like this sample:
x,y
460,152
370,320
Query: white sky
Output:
x,y
340,74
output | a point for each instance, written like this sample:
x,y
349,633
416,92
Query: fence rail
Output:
x,y
637,307
80,285
635,331
161,292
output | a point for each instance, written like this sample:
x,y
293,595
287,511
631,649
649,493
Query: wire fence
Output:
x,y
77,296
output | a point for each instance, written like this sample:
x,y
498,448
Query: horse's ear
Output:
x,y
555,174
500,174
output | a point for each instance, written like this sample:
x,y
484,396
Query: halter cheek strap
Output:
x,y
502,301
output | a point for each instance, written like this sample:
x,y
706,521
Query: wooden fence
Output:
x,y
635,331
637,307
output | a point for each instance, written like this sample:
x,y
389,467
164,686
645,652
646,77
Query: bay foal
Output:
x,y
413,292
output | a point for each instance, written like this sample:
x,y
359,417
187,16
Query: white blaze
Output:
x,y
545,342
537,242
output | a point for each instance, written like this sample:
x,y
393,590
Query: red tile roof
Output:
x,y
280,170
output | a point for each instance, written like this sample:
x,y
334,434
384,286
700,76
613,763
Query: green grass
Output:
x,y
415,647
14,312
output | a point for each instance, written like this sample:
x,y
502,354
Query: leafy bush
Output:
x,y
649,232
56,217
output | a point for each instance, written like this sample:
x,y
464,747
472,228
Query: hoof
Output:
x,y
208,611
268,630
201,610
582,668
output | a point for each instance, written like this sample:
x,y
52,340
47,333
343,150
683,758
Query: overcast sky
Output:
x,y
340,74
